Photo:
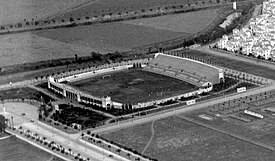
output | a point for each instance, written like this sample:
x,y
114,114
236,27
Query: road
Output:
x,y
72,141
179,110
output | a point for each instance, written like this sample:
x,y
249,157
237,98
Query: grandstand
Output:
x,y
194,72
198,78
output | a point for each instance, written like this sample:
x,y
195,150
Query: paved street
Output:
x,y
72,141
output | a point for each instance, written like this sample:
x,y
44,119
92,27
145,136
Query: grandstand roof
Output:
x,y
191,67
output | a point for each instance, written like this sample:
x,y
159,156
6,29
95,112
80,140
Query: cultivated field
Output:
x,y
133,86
100,7
175,139
110,37
191,22
27,47
13,11
14,149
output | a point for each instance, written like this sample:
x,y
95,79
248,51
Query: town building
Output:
x,y
257,38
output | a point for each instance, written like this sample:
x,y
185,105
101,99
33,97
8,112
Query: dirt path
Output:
x,y
152,137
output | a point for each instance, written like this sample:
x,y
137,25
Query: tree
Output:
x,y
19,25
118,150
71,19
99,142
128,155
76,57
3,124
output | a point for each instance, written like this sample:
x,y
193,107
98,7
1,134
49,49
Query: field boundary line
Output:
x,y
151,138
228,134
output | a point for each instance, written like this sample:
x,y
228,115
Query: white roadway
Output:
x,y
72,141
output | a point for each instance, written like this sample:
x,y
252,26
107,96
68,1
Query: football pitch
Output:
x,y
133,86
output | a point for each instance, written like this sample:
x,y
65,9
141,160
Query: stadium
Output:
x,y
139,83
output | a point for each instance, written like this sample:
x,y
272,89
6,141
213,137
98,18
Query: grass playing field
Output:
x,y
175,139
14,149
133,86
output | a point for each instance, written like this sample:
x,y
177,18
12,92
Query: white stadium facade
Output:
x,y
200,74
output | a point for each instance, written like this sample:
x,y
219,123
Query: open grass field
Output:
x,y
258,130
175,139
110,37
13,11
27,47
190,22
133,86
14,149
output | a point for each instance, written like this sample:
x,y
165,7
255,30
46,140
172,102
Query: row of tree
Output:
x,y
118,150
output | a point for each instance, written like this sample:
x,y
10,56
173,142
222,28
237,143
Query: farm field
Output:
x,y
176,139
14,149
190,22
100,7
110,37
133,86
13,11
27,47
123,36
